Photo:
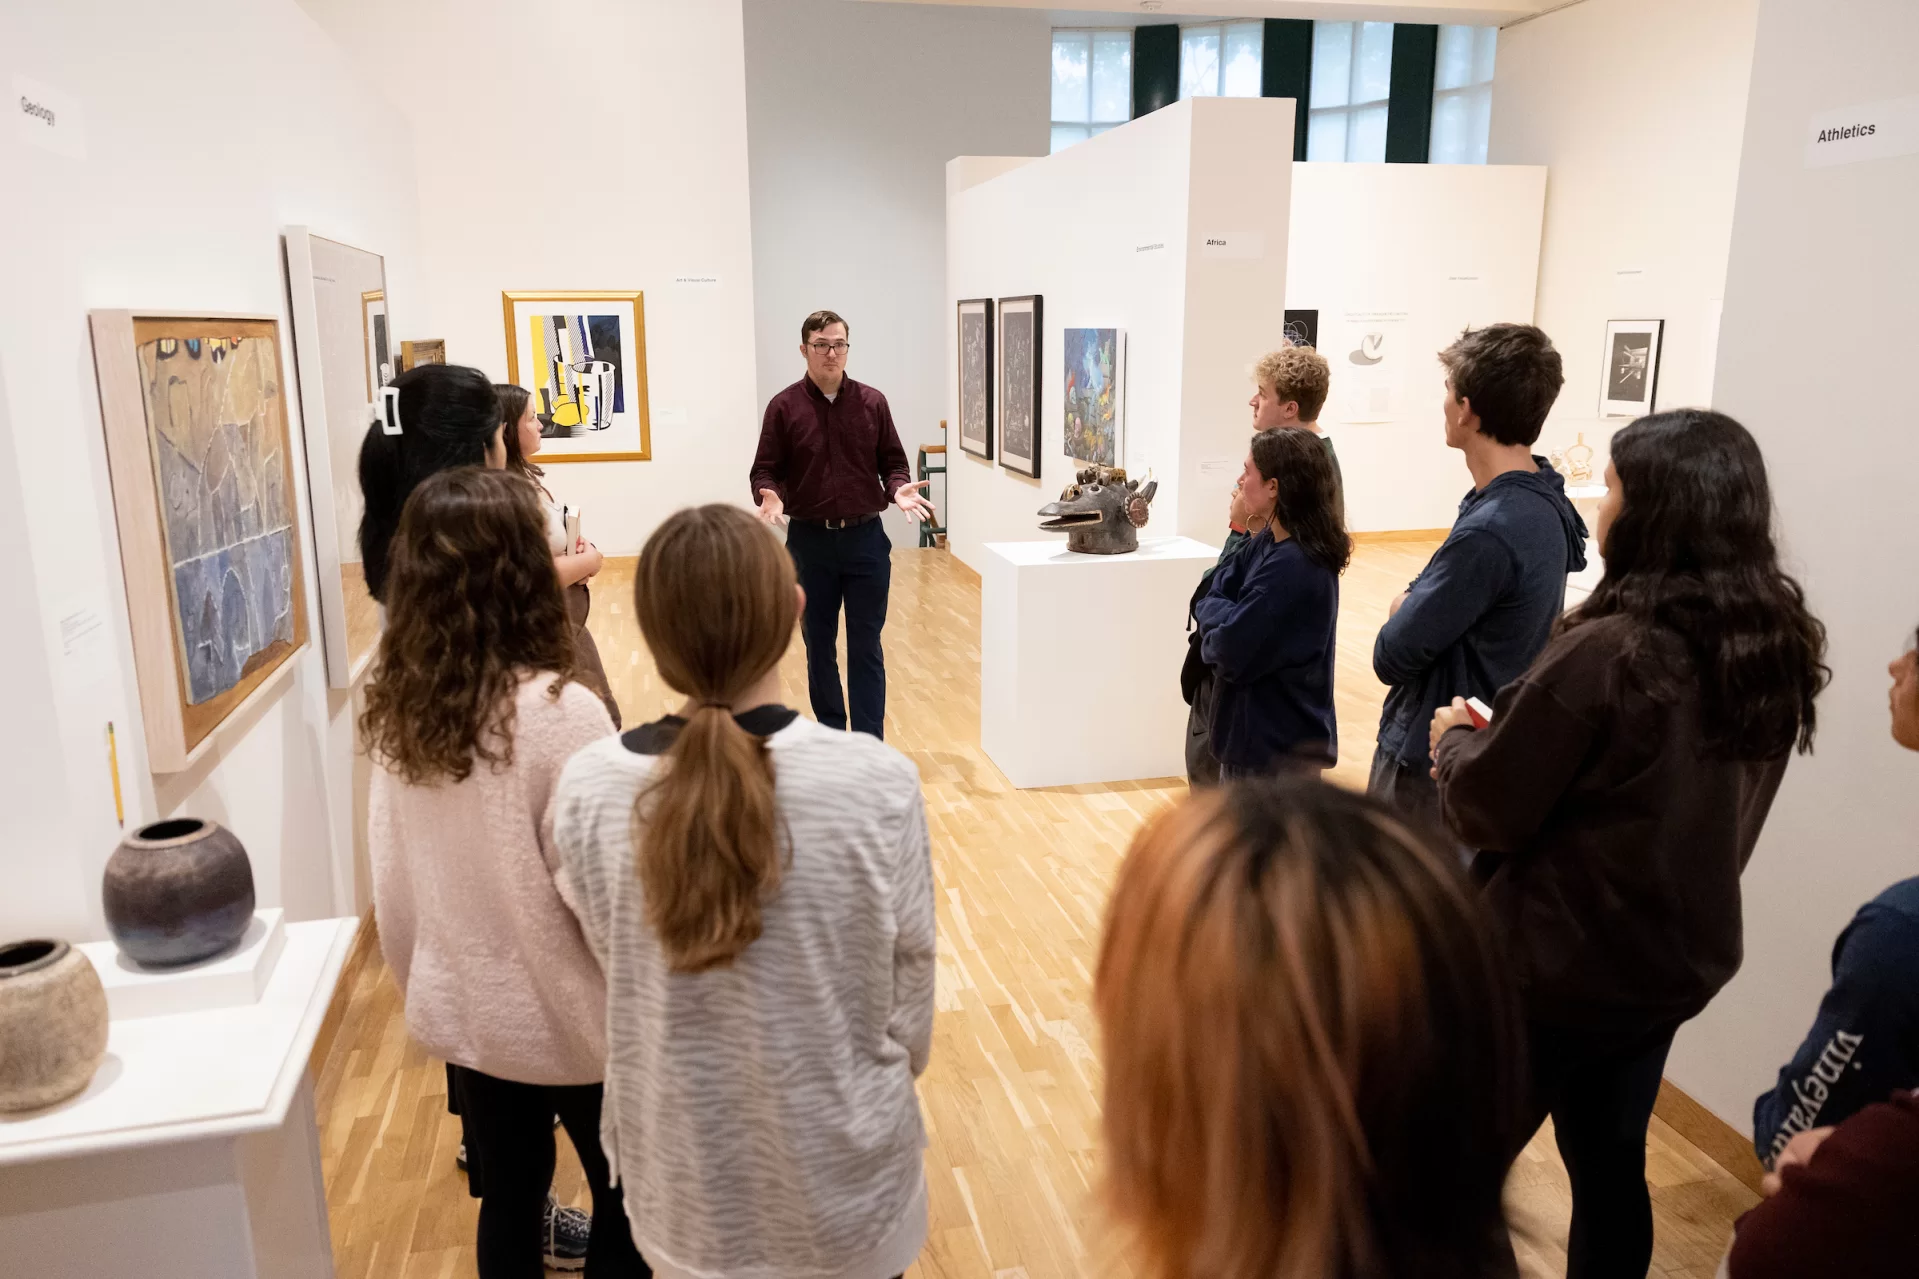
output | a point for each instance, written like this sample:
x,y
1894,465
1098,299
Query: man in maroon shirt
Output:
x,y
829,462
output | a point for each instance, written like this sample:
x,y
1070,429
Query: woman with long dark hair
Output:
x,y
1267,622
1312,1054
1619,791
471,711
447,416
575,563
760,891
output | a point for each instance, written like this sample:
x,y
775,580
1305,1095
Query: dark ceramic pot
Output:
x,y
177,891
53,1023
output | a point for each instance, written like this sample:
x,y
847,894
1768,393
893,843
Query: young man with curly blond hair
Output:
x,y
1289,390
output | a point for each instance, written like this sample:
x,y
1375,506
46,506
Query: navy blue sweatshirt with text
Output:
x,y
1482,608
1864,1045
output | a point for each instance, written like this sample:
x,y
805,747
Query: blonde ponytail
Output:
x,y
716,602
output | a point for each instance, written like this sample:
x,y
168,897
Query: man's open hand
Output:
x,y
772,510
908,499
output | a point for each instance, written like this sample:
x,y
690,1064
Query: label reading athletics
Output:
x,y
1850,131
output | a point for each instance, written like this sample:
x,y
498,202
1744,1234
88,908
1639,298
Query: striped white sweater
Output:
x,y
761,1118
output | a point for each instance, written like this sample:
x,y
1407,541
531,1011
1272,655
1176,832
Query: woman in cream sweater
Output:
x,y
470,715
759,890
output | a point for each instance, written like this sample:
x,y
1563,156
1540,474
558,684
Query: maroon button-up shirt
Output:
x,y
829,460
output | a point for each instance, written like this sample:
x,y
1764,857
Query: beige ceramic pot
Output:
x,y
53,1023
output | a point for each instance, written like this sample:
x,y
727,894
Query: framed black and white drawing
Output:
x,y
1630,380
976,376
1017,347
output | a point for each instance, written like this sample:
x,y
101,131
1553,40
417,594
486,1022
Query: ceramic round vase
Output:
x,y
178,891
53,1023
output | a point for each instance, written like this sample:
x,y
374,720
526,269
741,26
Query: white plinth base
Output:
x,y
194,1152
1080,658
224,981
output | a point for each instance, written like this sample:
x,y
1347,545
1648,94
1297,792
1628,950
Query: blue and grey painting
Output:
x,y
213,408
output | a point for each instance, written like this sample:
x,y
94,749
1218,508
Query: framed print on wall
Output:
x,y
1018,352
1095,407
1630,380
583,356
976,376
200,454
379,348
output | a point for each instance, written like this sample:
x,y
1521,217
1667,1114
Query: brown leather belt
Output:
x,y
852,521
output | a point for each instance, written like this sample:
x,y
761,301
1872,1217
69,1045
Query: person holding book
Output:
x,y
1619,789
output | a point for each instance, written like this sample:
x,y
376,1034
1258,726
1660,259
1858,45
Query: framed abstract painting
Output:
x,y
201,456
976,376
379,347
1094,370
583,356
1017,331
1630,381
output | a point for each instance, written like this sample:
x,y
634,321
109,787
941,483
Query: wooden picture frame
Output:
x,y
1019,350
560,393
417,351
378,334
975,408
1629,378
192,675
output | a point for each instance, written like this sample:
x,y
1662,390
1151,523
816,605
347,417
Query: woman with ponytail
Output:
x,y
758,890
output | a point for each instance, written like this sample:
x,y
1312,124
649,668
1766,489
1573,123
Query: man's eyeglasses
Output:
x,y
828,348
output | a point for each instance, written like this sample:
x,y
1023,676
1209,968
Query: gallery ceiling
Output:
x,y
1117,12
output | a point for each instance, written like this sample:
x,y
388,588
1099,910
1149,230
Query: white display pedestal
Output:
x,y
1080,658
194,1153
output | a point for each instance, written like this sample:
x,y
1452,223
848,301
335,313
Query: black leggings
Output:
x,y
510,1152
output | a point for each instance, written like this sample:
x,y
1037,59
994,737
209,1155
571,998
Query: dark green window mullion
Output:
x,y
1286,70
1409,112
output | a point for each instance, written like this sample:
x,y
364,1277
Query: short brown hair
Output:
x,y
1299,374
1302,1001
473,604
714,592
820,319
1511,374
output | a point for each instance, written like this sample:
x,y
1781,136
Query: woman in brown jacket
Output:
x,y
1620,788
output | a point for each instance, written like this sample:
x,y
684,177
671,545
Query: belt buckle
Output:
x,y
836,524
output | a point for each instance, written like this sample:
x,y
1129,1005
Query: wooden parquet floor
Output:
x,y
1011,1096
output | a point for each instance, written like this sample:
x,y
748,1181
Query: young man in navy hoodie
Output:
x,y
1485,604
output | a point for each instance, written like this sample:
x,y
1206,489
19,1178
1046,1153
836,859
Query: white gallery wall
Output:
x,y
1111,233
163,190
1835,417
1416,253
585,144
848,178
1637,108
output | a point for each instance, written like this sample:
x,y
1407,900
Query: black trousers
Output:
x,y
510,1153
1599,1090
850,566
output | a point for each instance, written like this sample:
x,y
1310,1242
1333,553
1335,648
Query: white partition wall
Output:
x,y
1415,253
1112,233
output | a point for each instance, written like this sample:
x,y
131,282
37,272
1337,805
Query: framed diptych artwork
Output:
x,y
583,357
1017,330
1630,380
201,459
1095,407
976,376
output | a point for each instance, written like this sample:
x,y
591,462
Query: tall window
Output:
x,y
1463,95
1352,78
1092,83
1220,61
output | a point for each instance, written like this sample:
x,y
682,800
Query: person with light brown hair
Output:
x,y
758,888
471,711
1312,1047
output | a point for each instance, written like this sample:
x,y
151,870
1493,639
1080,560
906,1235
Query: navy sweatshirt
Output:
x,y
1266,630
1482,608
1864,1045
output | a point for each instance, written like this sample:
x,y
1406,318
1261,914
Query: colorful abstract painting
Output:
x,y
582,355
1095,377
217,426
569,351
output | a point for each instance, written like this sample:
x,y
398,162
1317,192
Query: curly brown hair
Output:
x,y
473,607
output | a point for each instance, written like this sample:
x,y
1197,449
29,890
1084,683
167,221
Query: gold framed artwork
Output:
x,y
583,357
194,408
379,347
422,351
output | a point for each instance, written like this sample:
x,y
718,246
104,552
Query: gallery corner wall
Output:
x,y
587,145
849,184
102,213
1111,233
1817,303
1636,108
